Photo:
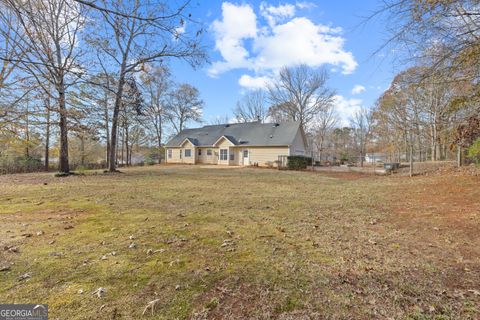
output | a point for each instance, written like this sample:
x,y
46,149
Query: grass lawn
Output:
x,y
210,243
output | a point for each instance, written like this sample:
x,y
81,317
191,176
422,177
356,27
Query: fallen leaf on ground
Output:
x,y
99,292
151,305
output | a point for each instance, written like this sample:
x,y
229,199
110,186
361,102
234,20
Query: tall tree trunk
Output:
x,y
159,138
123,147
27,132
107,132
127,146
64,166
459,156
82,150
116,111
361,158
47,140
63,157
131,151
320,151
411,159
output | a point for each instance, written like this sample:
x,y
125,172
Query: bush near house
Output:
x,y
298,162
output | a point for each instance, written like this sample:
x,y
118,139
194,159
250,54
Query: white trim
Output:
x,y
186,139
224,137
220,154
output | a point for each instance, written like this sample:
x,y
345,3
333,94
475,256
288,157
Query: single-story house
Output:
x,y
237,144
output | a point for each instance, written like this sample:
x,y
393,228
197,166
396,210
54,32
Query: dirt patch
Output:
x,y
438,219
441,201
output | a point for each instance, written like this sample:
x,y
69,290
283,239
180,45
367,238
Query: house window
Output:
x,y
223,154
245,153
199,152
180,153
188,153
209,152
169,153
232,156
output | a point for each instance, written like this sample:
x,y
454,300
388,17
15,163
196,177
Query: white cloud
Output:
x,y
285,40
250,82
305,5
346,108
238,23
275,14
301,41
357,89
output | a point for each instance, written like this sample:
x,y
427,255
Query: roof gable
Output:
x,y
189,140
229,139
240,134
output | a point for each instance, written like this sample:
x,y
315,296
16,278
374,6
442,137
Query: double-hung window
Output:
x,y
223,154
188,153
169,153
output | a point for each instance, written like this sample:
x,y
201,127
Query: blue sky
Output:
x,y
248,41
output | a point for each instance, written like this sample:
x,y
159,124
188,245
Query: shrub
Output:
x,y
474,151
20,164
150,161
298,162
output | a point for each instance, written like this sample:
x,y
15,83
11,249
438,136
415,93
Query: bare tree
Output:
x,y
220,120
50,38
156,83
184,105
361,124
276,113
324,123
139,39
445,32
443,36
11,53
399,107
300,93
252,107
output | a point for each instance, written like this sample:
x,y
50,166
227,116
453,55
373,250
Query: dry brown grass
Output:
x,y
242,244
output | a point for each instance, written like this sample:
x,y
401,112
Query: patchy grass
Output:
x,y
241,243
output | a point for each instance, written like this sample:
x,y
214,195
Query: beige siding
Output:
x,y
298,147
205,158
237,153
264,156
224,144
176,154
188,145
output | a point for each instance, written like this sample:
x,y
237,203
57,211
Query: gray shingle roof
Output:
x,y
242,134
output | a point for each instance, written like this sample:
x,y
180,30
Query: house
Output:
x,y
238,144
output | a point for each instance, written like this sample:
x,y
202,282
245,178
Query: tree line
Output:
x,y
80,79
95,71
432,108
